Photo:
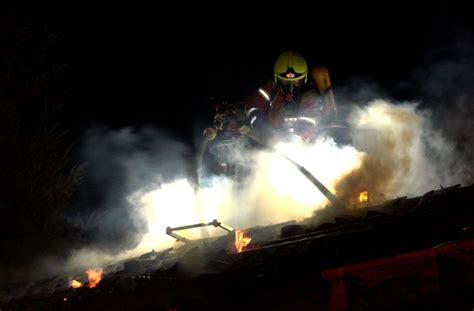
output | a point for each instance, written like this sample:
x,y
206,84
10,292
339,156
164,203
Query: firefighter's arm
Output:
x,y
322,83
252,119
255,106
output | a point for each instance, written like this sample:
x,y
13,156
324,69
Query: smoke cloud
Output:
x,y
121,163
403,154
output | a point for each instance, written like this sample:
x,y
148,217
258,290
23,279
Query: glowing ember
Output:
x,y
241,241
94,275
75,284
363,196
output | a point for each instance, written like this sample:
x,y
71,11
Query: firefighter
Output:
x,y
291,102
296,101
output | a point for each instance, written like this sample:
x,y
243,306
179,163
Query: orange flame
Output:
x,y
241,240
94,275
363,196
75,284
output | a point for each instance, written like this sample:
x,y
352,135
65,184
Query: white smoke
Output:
x,y
396,152
274,191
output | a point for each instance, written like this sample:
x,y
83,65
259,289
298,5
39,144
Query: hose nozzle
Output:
x,y
209,133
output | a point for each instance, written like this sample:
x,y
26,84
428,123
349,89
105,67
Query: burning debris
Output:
x,y
76,283
94,276
363,197
241,240
297,253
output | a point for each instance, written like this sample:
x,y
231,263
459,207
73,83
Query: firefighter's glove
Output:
x,y
250,122
244,129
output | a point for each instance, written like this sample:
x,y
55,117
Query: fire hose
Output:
x,y
209,134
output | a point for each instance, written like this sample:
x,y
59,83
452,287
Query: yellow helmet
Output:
x,y
290,66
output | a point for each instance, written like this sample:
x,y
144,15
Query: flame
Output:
x,y
363,196
94,275
75,284
241,240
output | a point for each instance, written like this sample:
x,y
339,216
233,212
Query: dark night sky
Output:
x,y
131,67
